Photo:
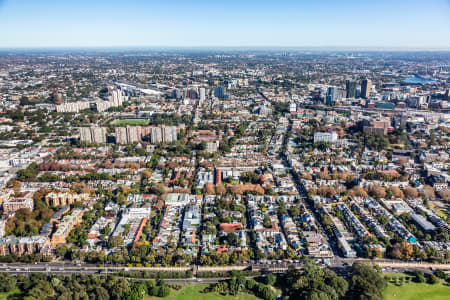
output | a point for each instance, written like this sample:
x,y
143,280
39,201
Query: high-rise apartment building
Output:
x,y
366,85
121,135
93,135
170,134
116,97
164,134
131,134
156,135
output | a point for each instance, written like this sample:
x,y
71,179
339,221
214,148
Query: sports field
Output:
x,y
417,291
129,122
194,292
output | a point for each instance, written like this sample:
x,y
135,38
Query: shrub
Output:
x,y
433,279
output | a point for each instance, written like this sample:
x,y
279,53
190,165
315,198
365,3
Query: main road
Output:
x,y
335,263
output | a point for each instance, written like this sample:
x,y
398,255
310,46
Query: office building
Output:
x,y
202,94
366,85
191,94
350,88
332,94
219,92
176,94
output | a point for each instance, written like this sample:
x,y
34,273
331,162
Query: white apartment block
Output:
x,y
328,137
72,107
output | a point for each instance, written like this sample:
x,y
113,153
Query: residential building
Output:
x,y
13,204
328,137
93,135
62,199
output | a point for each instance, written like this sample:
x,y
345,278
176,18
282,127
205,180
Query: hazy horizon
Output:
x,y
229,48
348,24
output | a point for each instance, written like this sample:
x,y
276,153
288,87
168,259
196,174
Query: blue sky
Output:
x,y
283,23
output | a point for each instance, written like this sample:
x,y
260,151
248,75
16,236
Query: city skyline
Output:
x,y
344,24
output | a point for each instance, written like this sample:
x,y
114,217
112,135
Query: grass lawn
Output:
x,y
393,274
4,296
417,291
130,122
194,292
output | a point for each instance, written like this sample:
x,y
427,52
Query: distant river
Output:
x,y
417,80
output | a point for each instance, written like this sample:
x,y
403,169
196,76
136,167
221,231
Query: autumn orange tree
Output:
x,y
410,192
220,189
396,192
377,191
209,189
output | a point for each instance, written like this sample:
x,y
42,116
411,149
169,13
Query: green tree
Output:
x,y
270,279
7,283
164,291
115,241
366,282
433,279
101,293
266,222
